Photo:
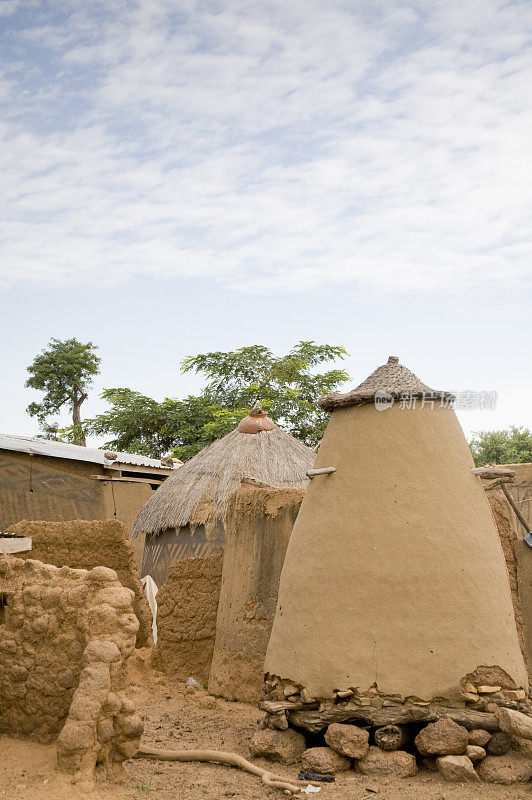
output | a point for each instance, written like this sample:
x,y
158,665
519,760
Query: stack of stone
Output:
x,y
486,734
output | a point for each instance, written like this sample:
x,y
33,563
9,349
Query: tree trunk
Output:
x,y
79,435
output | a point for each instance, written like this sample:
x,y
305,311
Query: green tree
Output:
x,y
64,372
511,446
287,386
141,425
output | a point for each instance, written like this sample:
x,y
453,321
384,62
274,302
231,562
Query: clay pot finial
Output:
x,y
256,421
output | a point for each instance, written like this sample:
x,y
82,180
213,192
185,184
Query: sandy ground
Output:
x,y
175,719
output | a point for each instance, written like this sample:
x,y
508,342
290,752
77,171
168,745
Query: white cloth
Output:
x,y
150,590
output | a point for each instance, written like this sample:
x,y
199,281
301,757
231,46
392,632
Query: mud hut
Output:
x,y
394,581
185,518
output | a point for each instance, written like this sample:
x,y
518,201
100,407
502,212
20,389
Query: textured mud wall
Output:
x,y
187,605
65,636
521,489
84,544
506,525
394,572
523,555
260,522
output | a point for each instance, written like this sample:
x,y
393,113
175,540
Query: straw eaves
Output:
x,y
198,492
392,378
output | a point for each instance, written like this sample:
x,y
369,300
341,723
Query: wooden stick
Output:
x,y
493,472
487,485
220,757
317,720
516,508
321,471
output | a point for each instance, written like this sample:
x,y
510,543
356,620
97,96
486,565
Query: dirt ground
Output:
x,y
174,718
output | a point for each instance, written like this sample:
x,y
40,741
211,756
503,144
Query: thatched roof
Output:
x,y
391,378
198,492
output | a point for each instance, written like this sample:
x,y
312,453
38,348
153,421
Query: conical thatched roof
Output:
x,y
392,378
198,492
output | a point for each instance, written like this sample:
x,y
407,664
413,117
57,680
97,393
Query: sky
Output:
x,y
179,176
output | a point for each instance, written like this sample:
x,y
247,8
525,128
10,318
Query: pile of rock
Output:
x,y
486,734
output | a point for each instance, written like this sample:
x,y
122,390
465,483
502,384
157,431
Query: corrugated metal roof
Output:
x,y
45,447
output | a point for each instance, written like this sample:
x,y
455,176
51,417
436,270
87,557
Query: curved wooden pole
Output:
x,y
220,757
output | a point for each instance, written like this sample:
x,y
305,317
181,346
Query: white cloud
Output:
x,y
290,146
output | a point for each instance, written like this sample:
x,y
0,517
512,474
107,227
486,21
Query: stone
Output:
x,y
456,769
442,738
290,690
509,768
206,700
277,721
324,761
285,746
515,723
348,740
488,689
390,737
514,694
475,753
383,763
479,737
499,744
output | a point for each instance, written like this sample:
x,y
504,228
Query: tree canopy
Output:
x,y
288,387
64,372
511,446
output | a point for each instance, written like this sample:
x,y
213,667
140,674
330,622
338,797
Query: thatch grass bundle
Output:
x,y
198,492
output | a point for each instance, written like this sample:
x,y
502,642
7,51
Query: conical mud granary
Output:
x,y
394,576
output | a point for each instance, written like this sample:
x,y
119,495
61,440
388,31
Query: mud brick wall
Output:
x,y
260,522
506,526
65,637
84,544
187,605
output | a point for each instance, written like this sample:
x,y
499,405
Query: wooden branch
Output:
x,y
316,720
275,706
487,485
220,757
310,473
493,472
516,508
